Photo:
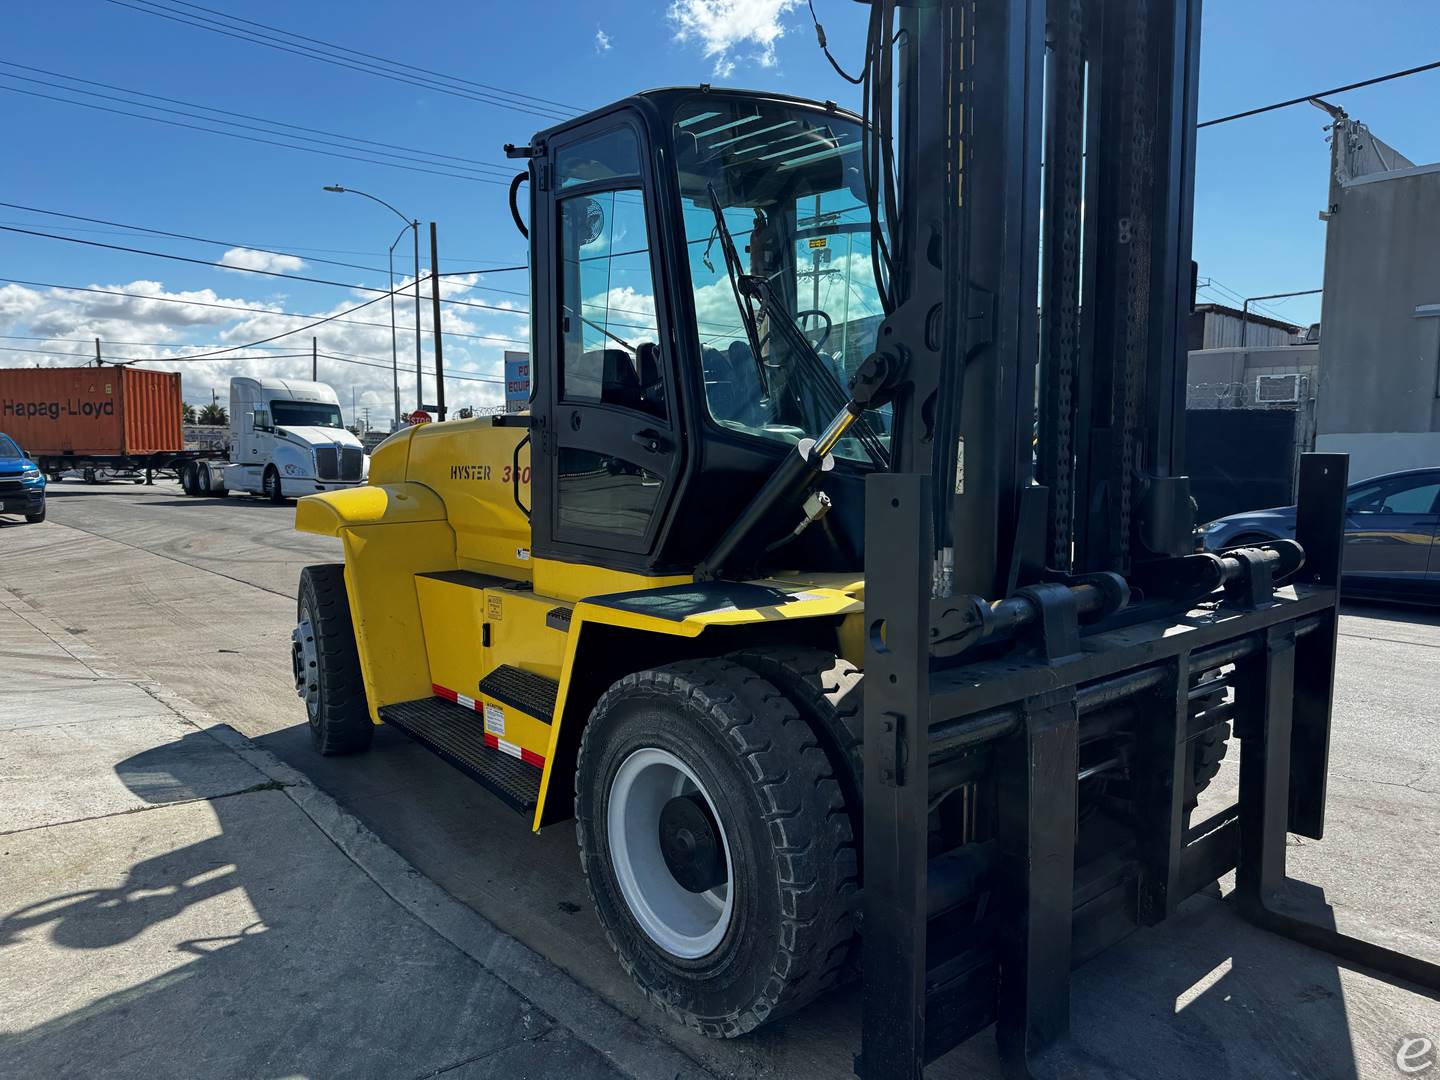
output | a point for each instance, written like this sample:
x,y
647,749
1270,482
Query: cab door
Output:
x,y
608,432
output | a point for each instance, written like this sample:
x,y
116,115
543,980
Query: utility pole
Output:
x,y
435,318
314,360
98,361
419,368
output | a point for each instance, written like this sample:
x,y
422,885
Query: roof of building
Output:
x,y
1251,316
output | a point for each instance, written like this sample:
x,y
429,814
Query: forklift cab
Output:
x,y
663,396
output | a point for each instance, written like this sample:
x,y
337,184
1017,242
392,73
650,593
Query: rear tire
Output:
x,y
786,904
327,664
36,519
187,478
202,479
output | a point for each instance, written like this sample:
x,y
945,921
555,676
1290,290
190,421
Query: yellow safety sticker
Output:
x,y
819,242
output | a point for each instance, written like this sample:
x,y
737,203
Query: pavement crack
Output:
x,y
485,1055
268,785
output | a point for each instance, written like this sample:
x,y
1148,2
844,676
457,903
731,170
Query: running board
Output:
x,y
458,735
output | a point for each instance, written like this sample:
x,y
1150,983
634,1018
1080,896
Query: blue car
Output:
x,y
1392,535
22,484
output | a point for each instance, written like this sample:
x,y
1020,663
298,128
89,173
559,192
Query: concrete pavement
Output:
x,y
175,901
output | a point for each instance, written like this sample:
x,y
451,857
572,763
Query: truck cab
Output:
x,y
287,439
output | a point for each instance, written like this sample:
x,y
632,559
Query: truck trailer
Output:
x,y
117,419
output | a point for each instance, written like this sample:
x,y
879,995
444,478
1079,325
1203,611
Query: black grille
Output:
x,y
11,487
339,462
457,734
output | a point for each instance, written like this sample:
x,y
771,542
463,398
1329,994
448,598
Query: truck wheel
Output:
x,y
270,485
202,479
715,845
327,664
187,478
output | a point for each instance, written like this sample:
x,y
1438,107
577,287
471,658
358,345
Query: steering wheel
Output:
x,y
801,316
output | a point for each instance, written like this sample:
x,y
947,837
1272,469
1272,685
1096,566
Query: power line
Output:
x,y
495,167
252,270
1321,93
185,236
423,81
256,247
243,308
372,56
349,358
233,134
148,359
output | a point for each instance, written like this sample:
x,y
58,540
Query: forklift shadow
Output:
x,y
240,945
1195,997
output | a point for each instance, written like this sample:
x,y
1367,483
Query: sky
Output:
x,y
436,156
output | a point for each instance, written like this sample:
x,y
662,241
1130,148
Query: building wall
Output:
x,y
1225,378
1380,350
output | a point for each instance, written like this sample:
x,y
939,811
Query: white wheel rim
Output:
x,y
304,659
685,924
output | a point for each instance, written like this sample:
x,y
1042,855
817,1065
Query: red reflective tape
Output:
x,y
440,691
531,758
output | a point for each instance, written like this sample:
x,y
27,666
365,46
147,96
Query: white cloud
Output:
x,y
724,29
69,321
250,259
602,41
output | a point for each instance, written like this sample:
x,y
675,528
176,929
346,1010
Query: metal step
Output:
x,y
532,694
457,734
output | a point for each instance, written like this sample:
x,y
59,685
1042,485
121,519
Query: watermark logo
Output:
x,y
1415,1055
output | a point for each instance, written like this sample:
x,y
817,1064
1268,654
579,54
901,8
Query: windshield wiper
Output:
x,y
740,285
810,358
749,287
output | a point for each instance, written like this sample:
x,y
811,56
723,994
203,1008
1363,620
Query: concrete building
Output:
x,y
1379,384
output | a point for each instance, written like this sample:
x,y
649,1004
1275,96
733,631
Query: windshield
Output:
x,y
305,414
8,450
788,185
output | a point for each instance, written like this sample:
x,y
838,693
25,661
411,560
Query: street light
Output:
x,y
412,224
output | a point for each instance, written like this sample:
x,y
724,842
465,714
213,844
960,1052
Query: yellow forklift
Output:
x,y
854,614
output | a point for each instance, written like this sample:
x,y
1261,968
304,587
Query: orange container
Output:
x,y
103,412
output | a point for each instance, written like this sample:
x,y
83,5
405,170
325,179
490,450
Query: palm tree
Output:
x,y
214,414
187,414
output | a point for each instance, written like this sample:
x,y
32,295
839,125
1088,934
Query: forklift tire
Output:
x,y
715,845
830,694
327,664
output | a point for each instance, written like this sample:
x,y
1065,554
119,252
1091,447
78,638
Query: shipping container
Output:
x,y
91,412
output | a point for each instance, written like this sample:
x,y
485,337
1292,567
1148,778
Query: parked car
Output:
x,y
1391,525
22,486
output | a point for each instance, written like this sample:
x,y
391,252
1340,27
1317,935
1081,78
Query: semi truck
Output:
x,y
287,439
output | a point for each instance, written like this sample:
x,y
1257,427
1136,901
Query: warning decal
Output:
x,y
494,719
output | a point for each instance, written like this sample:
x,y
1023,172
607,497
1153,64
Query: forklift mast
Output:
x,y
1032,580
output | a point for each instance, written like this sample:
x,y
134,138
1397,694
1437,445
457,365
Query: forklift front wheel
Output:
x,y
327,665
715,845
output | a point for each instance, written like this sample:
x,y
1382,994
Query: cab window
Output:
x,y
608,329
